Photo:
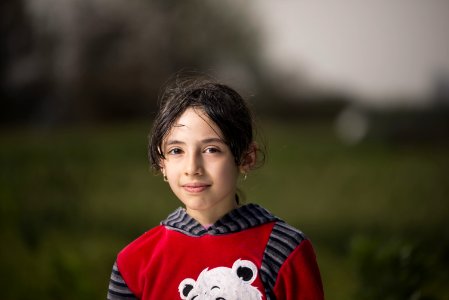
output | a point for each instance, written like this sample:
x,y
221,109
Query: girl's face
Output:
x,y
200,167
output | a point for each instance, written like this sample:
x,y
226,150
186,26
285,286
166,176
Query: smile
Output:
x,y
195,187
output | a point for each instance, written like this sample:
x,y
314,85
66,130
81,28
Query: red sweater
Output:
x,y
248,254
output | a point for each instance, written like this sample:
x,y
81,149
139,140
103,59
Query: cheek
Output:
x,y
228,172
171,169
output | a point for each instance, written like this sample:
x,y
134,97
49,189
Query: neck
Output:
x,y
211,215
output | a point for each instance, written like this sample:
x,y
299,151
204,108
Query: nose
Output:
x,y
194,164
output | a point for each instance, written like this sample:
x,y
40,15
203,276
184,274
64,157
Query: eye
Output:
x,y
175,151
212,150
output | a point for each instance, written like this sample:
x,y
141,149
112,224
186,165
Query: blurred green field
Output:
x,y
377,213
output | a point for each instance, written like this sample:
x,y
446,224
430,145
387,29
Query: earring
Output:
x,y
244,176
163,174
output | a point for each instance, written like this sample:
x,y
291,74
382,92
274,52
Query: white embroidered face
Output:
x,y
223,283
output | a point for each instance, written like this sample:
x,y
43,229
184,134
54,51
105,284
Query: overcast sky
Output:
x,y
375,48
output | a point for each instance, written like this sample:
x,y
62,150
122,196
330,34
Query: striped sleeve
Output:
x,y
284,239
118,290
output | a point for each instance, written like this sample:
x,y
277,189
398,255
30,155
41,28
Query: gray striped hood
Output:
x,y
241,218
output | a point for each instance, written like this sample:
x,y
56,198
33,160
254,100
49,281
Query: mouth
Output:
x,y
195,187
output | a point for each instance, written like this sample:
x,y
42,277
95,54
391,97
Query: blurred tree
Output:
x,y
21,72
89,60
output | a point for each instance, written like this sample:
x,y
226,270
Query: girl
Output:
x,y
214,248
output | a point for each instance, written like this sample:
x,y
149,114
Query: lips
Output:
x,y
195,187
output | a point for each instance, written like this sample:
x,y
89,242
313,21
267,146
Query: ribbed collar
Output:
x,y
241,218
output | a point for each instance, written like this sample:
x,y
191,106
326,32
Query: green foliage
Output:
x,y
399,268
72,198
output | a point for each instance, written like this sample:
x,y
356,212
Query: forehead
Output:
x,y
195,122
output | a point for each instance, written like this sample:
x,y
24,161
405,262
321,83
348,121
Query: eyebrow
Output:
x,y
205,141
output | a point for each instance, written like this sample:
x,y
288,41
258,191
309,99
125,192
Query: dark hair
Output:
x,y
223,105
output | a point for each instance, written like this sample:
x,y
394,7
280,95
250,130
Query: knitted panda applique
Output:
x,y
223,283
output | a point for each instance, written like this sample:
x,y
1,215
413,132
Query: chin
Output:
x,y
196,204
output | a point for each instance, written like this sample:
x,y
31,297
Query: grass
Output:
x,y
72,198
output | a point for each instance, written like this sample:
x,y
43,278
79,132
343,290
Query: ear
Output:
x,y
249,158
185,287
245,270
162,166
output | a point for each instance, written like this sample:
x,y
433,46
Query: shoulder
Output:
x,y
133,253
299,277
135,256
283,241
286,237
